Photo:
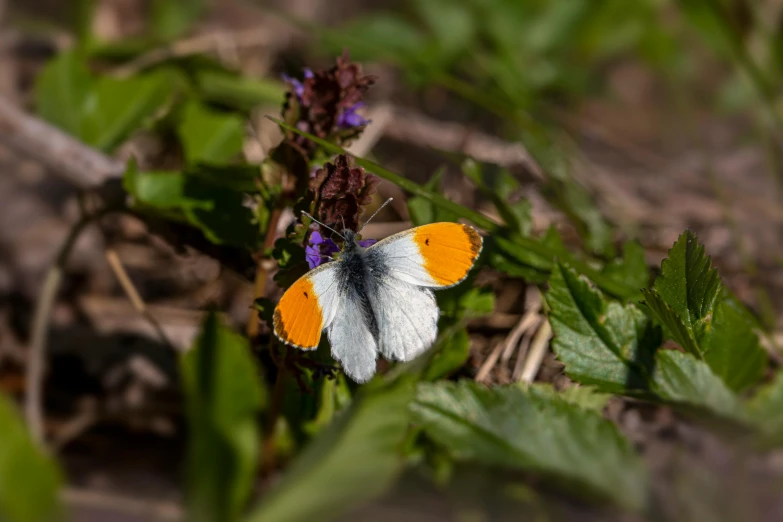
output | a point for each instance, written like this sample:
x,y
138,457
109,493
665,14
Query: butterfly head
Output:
x,y
350,239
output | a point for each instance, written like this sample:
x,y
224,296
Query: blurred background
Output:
x,y
665,115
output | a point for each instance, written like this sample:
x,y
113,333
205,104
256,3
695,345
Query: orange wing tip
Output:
x,y
476,241
298,318
449,251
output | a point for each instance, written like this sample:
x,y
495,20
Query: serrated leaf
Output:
x,y
732,347
703,318
766,410
671,321
223,397
29,480
601,342
511,428
352,461
689,284
681,378
209,136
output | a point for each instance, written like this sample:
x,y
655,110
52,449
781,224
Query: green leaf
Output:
x,y
766,410
171,18
512,428
62,89
450,357
671,321
238,92
384,34
689,285
517,215
423,211
631,269
223,397
682,379
466,300
209,136
452,25
118,107
29,480
585,397
352,461
216,208
600,342
732,347
101,112
703,318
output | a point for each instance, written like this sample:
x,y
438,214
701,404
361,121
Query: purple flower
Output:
x,y
296,84
348,118
319,249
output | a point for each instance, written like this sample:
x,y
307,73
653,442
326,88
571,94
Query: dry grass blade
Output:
x,y
538,349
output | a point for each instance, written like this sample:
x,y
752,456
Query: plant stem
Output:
x,y
269,449
33,408
262,272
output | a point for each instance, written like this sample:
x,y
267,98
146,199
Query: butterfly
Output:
x,y
377,300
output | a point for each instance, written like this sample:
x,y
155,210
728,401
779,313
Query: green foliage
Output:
x,y
241,93
224,397
516,51
354,460
683,379
209,136
29,480
766,410
631,269
204,197
516,216
104,111
171,18
602,343
688,298
511,428
423,211
585,397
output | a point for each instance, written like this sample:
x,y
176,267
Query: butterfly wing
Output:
x,y
322,299
307,307
407,318
353,343
438,255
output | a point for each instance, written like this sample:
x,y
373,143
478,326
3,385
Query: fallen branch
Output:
x,y
80,164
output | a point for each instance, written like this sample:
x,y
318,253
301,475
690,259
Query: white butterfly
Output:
x,y
378,299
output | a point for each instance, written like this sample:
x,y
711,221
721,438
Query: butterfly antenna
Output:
x,y
375,213
343,220
323,225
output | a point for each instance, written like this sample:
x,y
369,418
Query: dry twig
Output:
x,y
537,352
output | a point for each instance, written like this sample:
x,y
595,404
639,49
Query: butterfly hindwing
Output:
x,y
438,255
407,318
353,344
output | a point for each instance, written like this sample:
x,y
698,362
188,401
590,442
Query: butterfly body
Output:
x,y
378,299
